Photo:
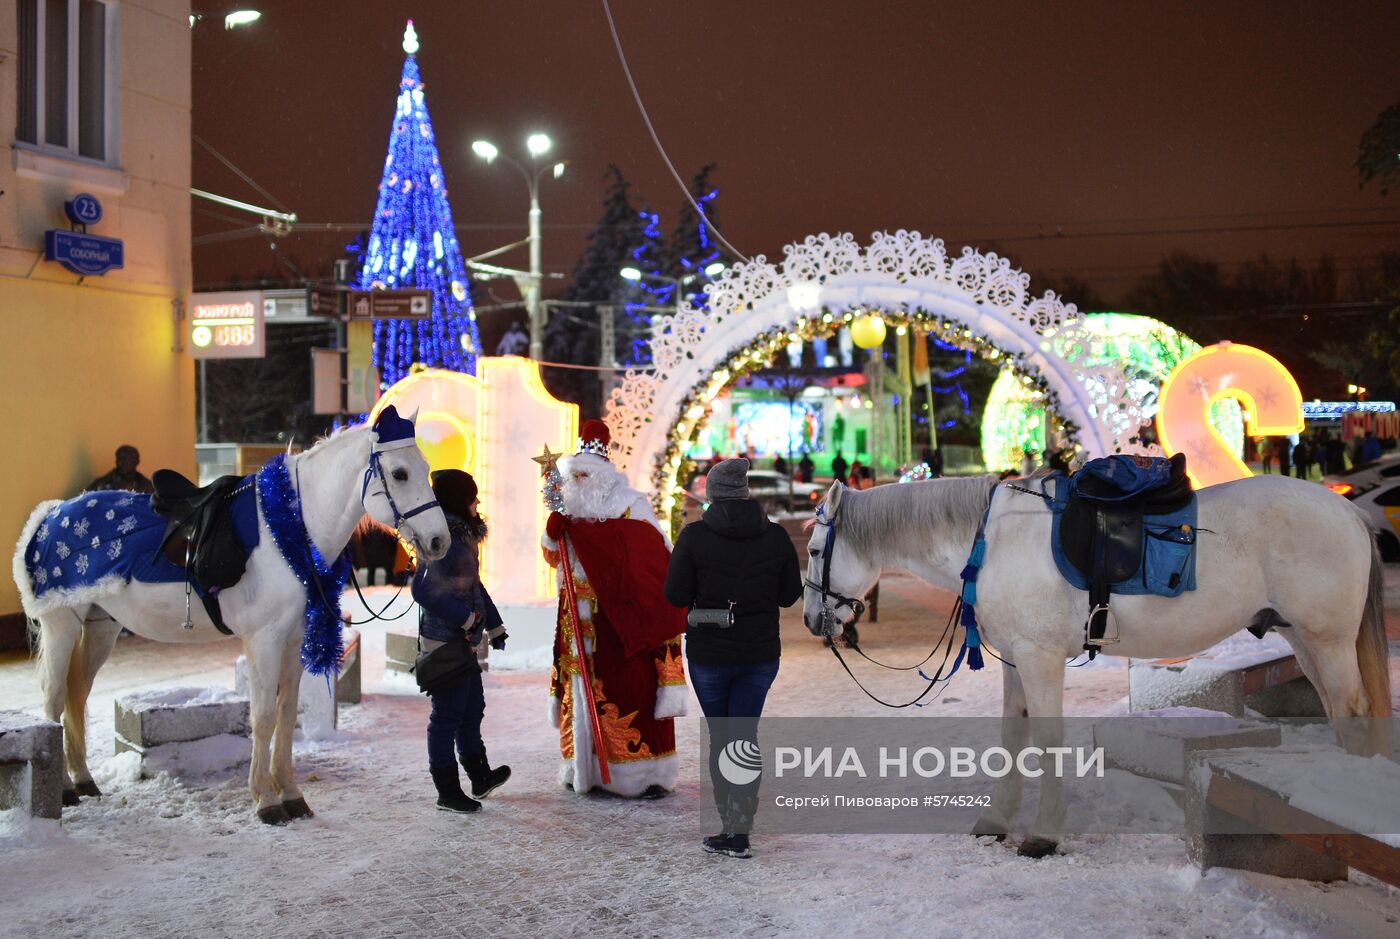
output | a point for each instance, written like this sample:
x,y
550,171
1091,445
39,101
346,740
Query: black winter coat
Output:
x,y
734,553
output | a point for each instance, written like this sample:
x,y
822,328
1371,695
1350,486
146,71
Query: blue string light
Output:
x,y
647,292
413,244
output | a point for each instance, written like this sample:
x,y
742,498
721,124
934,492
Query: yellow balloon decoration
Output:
x,y
868,331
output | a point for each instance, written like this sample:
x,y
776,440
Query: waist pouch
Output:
x,y
444,666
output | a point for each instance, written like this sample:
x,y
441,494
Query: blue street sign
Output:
x,y
82,254
83,209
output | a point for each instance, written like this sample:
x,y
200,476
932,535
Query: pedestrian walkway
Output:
x,y
165,857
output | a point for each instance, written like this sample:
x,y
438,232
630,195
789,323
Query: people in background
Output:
x,y
1302,458
853,477
838,466
805,468
1265,447
780,465
124,474
1284,448
1370,447
734,561
1334,455
514,342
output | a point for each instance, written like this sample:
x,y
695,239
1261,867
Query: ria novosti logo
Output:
x,y
740,762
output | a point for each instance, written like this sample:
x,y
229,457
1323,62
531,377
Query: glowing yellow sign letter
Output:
x,y
1270,397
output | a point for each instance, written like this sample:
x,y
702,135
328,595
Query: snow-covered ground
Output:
x,y
165,857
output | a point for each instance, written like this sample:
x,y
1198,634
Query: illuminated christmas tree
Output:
x,y
413,244
694,249
648,295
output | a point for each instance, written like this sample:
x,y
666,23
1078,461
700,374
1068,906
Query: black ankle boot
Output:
x,y
451,798
485,780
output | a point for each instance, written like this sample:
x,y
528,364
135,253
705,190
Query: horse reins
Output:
x,y
375,468
857,608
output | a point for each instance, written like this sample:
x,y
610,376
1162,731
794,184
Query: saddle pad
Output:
x,y
1168,566
94,543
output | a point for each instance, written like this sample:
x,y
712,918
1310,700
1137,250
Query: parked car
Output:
x,y
770,488
1381,504
1365,476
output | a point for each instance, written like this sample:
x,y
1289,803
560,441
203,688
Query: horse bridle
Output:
x,y
376,469
856,606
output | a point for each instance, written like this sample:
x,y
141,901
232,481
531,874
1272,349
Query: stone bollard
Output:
x,y
1217,839
184,731
400,652
1161,744
31,764
347,684
1270,684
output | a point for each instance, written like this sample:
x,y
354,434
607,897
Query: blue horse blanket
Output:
x,y
96,542
1168,567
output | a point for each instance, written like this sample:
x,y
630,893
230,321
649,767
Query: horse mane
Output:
x,y
896,519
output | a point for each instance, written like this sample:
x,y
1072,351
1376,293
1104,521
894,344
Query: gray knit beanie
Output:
x,y
728,479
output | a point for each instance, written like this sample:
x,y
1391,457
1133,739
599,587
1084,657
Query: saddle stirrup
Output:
x,y
189,584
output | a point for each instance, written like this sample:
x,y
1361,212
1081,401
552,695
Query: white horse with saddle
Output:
x,y
1271,550
91,565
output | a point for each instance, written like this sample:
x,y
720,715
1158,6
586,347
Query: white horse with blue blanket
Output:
x,y
87,567
1271,550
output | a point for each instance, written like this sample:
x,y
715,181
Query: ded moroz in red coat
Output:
x,y
633,640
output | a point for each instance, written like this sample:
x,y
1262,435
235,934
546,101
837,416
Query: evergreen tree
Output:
x,y
693,245
572,334
413,244
647,296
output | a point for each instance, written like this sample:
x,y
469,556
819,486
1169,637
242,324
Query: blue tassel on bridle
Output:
x,y
972,642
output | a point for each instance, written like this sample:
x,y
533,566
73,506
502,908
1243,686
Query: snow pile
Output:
x,y
197,759
141,701
1358,793
19,829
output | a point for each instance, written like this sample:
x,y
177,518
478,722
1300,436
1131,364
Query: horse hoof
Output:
x,y
1037,847
89,789
274,815
297,808
70,797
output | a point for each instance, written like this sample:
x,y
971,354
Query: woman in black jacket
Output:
x,y
734,566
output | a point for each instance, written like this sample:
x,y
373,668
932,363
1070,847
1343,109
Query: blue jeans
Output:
x,y
732,698
455,721
733,690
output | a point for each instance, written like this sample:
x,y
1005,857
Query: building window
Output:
x,y
67,80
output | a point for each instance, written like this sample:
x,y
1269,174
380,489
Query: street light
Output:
x,y
537,145
241,18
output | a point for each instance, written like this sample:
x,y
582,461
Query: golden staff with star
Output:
x,y
549,472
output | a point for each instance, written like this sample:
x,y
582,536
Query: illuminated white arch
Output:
x,y
974,297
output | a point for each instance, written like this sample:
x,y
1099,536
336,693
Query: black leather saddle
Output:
x,y
200,536
1101,532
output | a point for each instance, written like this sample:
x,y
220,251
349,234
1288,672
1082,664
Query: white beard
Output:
x,y
602,494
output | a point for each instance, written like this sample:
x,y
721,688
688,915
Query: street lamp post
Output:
x,y
537,145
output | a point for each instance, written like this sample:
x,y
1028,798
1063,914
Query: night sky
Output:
x,y
1068,136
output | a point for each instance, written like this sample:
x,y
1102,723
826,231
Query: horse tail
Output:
x,y
1371,651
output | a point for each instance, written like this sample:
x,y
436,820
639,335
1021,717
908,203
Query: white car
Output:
x,y
1381,503
770,488
1364,476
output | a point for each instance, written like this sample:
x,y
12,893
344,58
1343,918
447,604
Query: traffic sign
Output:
x,y
390,304
323,301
